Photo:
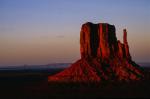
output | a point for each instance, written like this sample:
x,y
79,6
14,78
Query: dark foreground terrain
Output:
x,y
32,84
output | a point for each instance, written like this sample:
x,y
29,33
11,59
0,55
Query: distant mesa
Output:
x,y
103,57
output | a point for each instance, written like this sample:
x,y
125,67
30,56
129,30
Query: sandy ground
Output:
x,y
31,84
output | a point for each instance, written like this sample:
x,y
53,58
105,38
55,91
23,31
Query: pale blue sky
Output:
x,y
45,31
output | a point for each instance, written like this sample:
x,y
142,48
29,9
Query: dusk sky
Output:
x,y
47,31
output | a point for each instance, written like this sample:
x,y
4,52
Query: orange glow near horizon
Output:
x,y
39,32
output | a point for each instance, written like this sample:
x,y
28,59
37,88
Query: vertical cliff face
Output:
x,y
98,41
103,57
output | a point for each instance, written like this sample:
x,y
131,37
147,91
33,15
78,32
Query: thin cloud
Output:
x,y
60,36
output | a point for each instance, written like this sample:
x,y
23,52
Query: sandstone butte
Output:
x,y
103,57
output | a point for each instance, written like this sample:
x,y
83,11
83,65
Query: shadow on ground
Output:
x,y
30,84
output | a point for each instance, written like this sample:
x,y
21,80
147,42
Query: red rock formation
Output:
x,y
102,57
126,44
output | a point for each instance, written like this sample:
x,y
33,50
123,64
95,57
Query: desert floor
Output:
x,y
33,84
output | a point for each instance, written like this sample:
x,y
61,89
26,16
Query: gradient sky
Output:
x,y
47,31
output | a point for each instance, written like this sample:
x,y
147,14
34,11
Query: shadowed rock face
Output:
x,y
103,57
98,40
